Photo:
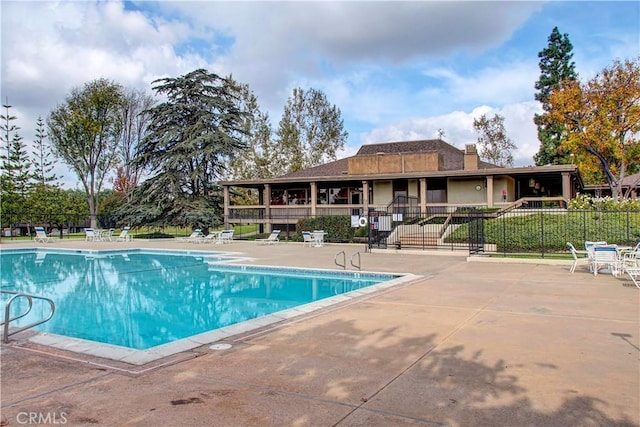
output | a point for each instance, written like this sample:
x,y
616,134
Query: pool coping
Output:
x,y
141,357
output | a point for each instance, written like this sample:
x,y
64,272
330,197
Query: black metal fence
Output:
x,y
541,231
522,231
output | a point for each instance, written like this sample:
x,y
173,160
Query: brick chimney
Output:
x,y
471,158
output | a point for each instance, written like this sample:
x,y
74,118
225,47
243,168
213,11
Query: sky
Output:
x,y
396,70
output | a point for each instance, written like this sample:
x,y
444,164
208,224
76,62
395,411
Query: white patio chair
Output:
x,y
212,237
226,236
89,234
124,235
271,240
318,238
41,235
578,257
307,239
193,237
634,274
606,256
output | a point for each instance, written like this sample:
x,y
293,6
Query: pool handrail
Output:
x,y
7,313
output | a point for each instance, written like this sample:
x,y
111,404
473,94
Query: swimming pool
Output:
x,y
143,299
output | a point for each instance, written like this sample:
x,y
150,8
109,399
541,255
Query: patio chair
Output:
x,y
606,257
318,238
271,240
89,235
108,236
193,237
226,236
578,257
41,235
210,238
124,235
634,274
307,239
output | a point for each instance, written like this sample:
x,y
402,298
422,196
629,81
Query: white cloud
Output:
x,y
458,129
395,69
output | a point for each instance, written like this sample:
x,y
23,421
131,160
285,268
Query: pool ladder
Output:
x,y
7,312
344,260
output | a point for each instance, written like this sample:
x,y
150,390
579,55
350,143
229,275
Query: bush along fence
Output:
x,y
547,232
525,231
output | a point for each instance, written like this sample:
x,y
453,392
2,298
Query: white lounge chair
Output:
x,y
226,236
271,240
41,235
124,235
212,237
578,257
634,274
193,237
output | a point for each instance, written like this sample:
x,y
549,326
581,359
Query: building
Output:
x,y
429,175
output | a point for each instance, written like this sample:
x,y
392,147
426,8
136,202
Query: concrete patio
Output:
x,y
469,344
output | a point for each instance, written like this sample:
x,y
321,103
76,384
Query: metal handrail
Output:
x,y
359,260
7,313
344,260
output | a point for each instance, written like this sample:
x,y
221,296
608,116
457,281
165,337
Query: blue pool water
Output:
x,y
141,298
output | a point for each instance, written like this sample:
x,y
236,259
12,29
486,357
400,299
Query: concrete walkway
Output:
x,y
470,344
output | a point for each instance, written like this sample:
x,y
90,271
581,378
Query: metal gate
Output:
x,y
476,232
380,227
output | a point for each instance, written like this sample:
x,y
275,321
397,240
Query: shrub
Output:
x,y
337,228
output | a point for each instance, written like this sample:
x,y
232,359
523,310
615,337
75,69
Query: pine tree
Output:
x,y
555,66
42,159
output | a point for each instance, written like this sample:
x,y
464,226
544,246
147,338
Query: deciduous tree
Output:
x,y
310,132
135,122
602,122
85,131
556,66
495,146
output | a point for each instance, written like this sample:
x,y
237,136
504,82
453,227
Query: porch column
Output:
x,y
267,208
365,198
566,185
423,195
314,198
490,191
227,202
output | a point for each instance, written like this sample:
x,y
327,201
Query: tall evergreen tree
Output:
x,y
10,198
556,66
190,137
20,166
42,159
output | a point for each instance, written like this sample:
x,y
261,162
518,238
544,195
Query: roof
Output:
x,y
631,180
452,157
452,160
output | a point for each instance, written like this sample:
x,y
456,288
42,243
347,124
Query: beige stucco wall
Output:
x,y
413,188
394,163
382,192
464,191
504,183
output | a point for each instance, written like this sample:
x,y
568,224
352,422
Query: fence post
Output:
x,y
542,234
